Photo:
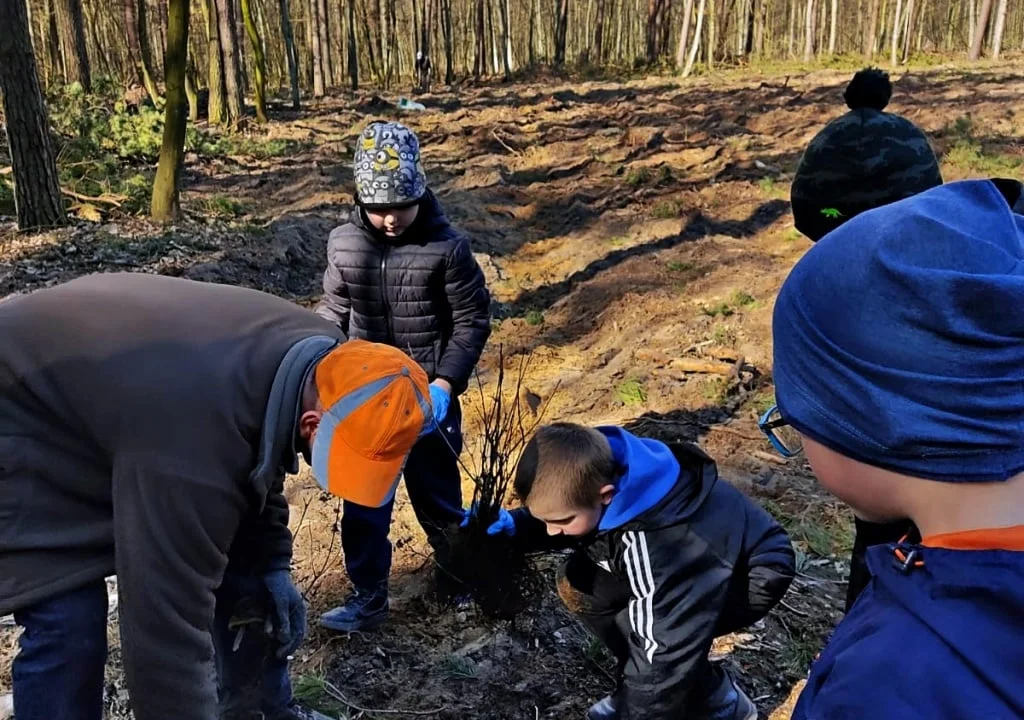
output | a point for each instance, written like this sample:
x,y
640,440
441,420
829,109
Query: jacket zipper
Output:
x,y
384,294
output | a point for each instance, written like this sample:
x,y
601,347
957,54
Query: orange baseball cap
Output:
x,y
377,402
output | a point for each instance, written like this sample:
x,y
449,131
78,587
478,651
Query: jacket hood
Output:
x,y
430,225
651,480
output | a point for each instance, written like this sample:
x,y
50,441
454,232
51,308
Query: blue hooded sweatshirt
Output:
x,y
649,472
942,640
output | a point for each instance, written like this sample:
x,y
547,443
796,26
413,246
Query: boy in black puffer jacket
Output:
x,y
399,273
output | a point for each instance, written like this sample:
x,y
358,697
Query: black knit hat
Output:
x,y
862,160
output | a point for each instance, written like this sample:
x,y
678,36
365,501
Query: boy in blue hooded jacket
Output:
x,y
899,356
668,557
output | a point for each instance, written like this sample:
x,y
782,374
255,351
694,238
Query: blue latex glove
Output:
x,y
288,612
505,524
440,399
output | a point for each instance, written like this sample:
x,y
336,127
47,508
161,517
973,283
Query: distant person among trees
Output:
x,y
864,159
423,71
398,273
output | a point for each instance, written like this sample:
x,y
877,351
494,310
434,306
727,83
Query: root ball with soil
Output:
x,y
493,569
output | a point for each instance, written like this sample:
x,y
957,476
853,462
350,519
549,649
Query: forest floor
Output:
x,y
634,235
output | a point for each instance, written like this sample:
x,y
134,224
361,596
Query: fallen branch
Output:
x,y
494,134
688,365
793,610
768,457
340,697
114,200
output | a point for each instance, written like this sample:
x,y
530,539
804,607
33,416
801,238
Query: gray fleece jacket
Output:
x,y
146,425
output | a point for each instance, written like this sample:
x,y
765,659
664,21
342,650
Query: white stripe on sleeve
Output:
x,y
641,580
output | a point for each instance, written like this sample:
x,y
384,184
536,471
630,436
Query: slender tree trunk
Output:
x,y
506,24
809,31
172,151
449,46
137,32
1000,28
561,28
684,32
832,28
259,61
229,56
353,50
894,39
979,30
290,51
696,39
37,197
531,48
72,38
908,30
317,48
972,22
192,95
215,78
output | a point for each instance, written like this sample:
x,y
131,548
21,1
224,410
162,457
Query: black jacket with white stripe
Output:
x,y
703,562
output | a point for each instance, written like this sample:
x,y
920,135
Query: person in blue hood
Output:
x,y
899,359
667,558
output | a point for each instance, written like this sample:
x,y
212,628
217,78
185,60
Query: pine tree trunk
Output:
x,y
506,38
324,33
712,34
979,30
229,56
832,28
172,151
531,47
695,46
259,61
37,198
997,35
72,38
290,51
53,46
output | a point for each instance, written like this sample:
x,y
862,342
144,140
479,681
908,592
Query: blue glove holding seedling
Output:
x,y
440,399
288,612
504,525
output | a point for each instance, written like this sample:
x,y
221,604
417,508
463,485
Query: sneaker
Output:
x,y
297,712
604,709
363,610
727,701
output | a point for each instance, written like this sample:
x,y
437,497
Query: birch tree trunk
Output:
x,y
832,28
997,36
690,61
809,32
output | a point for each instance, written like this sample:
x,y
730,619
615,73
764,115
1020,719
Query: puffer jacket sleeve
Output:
x,y
471,316
335,304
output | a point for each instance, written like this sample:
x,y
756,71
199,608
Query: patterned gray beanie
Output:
x,y
387,166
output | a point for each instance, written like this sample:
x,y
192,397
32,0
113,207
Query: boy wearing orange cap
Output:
x,y
146,426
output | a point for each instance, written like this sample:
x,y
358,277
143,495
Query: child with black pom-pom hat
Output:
x,y
862,160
